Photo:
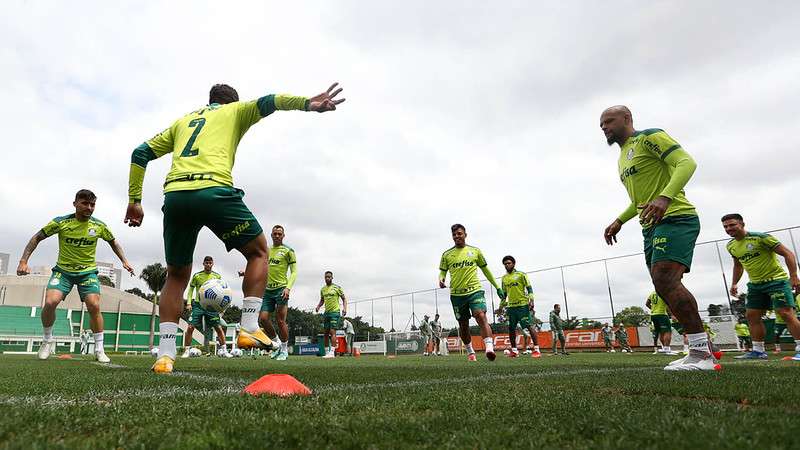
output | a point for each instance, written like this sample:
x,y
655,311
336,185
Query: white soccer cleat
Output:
x,y
328,355
613,351
45,349
694,363
186,353
102,357
222,352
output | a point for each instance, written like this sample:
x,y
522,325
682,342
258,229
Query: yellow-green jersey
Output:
x,y
517,288
331,295
756,253
742,329
652,164
281,259
197,280
77,242
658,306
462,263
203,143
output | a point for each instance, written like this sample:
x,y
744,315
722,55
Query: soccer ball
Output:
x,y
154,352
506,352
215,295
236,353
194,352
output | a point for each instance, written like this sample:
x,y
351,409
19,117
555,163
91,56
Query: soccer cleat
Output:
x,y
717,355
187,353
254,339
513,354
102,357
282,356
528,351
163,365
45,349
471,357
670,353
329,355
274,354
491,356
565,353
694,362
753,355
536,355
777,351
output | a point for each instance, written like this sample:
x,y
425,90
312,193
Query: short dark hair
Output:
x,y
279,226
328,272
85,194
556,305
457,226
208,258
735,216
508,258
222,94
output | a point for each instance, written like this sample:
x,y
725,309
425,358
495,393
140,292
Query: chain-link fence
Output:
x,y
596,290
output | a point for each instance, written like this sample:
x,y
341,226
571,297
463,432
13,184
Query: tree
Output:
x,y
739,307
105,280
632,316
571,323
138,292
154,275
587,324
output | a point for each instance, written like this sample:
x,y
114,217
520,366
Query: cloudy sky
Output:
x,y
455,112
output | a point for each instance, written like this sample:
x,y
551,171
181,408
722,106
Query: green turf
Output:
x,y
576,401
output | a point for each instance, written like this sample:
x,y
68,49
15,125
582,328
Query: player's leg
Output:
x,y
757,332
477,307
535,340
187,337
793,325
281,311
222,349
170,308
255,278
92,302
53,296
562,338
268,304
512,332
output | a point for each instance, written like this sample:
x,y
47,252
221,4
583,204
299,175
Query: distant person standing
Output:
x,y
662,327
608,338
349,335
557,328
621,334
329,296
427,334
436,328
743,335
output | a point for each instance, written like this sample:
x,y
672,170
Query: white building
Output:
x,y
107,269
5,258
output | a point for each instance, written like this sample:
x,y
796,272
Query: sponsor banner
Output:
x,y
307,349
590,338
371,346
302,340
404,346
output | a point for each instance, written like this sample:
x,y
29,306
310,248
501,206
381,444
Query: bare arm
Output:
x,y
22,268
121,255
321,302
738,270
791,263
344,305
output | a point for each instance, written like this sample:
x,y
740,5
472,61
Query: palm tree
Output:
x,y
154,275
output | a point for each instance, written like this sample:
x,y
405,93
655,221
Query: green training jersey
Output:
x,y
330,295
756,252
203,143
197,280
462,263
607,332
621,334
742,329
556,323
517,287
647,162
281,259
77,242
657,305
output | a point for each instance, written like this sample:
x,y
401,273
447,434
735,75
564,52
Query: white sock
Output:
x,y
470,350
168,334
686,347
48,333
514,349
284,347
536,348
250,313
487,342
699,342
98,342
665,348
276,341
758,346
796,345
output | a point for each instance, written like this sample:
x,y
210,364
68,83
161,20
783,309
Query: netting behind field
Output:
x,y
596,290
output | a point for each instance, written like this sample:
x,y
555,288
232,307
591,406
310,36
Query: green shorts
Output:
x,y
519,315
672,239
221,209
464,306
677,326
198,313
87,282
770,295
660,324
331,320
273,297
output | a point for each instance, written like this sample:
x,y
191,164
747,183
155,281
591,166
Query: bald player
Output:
x,y
654,170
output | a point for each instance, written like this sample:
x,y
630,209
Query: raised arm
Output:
x,y
22,268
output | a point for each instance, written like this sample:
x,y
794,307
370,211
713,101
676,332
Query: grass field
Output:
x,y
576,401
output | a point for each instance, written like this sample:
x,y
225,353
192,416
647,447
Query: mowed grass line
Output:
x,y
580,401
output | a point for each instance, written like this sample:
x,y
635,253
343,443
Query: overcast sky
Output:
x,y
455,112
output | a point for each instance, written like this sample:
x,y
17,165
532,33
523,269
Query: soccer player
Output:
x,y
426,333
466,293
557,327
518,304
743,334
780,327
329,296
199,192
608,338
198,313
769,286
662,328
276,294
654,170
76,266
622,338
436,328
349,335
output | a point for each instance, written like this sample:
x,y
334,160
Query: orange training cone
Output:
x,y
356,353
280,385
65,356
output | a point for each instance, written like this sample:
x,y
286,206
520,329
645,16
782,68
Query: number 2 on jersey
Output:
x,y
197,124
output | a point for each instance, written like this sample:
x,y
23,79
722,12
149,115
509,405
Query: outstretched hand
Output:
x,y
134,214
326,101
610,233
